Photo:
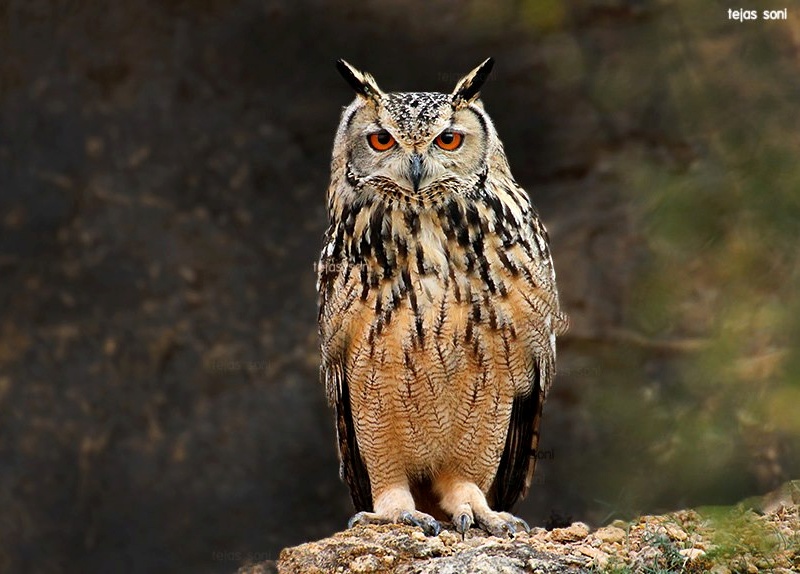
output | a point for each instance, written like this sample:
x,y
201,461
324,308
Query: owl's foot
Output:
x,y
395,505
467,505
502,524
428,523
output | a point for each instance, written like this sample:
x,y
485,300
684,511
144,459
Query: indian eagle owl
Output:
x,y
438,310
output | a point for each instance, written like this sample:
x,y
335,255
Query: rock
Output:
x,y
675,533
599,557
648,543
610,534
571,533
402,550
692,553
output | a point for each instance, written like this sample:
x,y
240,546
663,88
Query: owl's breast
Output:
x,y
441,317
439,372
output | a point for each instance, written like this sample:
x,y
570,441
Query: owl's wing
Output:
x,y
518,461
352,470
336,295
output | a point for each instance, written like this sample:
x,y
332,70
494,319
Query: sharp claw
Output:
x,y
435,527
408,518
355,519
524,525
463,522
429,527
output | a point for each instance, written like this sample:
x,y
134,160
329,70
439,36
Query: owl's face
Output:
x,y
414,144
417,140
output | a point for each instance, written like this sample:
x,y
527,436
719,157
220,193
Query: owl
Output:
x,y
438,310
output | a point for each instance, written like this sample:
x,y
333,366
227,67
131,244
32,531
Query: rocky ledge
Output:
x,y
759,535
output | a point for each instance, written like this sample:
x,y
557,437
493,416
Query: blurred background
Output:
x,y
163,166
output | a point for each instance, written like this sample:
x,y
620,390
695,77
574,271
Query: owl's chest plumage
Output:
x,y
437,312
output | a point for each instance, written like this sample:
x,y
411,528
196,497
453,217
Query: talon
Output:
x,y
429,526
524,525
408,518
356,519
462,523
433,528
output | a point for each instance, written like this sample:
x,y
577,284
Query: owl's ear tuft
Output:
x,y
468,88
364,84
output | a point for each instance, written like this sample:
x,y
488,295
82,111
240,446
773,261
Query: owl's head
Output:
x,y
414,146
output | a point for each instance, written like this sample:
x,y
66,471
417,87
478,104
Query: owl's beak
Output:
x,y
415,170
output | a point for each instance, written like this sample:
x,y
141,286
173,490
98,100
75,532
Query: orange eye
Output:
x,y
449,140
381,141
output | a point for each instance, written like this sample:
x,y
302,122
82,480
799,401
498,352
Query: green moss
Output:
x,y
739,536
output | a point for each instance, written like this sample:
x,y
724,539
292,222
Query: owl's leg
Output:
x,y
395,505
466,504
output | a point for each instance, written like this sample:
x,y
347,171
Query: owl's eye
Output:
x,y
381,141
449,140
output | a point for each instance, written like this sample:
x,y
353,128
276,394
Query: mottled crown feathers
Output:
x,y
467,89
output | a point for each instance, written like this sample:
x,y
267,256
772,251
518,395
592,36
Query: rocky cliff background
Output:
x,y
162,172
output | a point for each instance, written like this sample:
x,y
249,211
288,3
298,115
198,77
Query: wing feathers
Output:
x,y
353,470
518,460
